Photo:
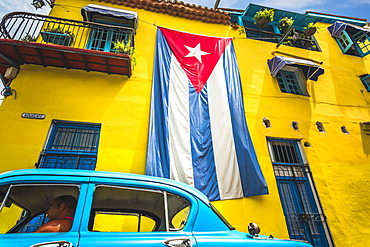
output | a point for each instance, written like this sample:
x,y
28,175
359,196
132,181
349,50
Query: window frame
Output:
x,y
344,41
361,45
110,35
72,154
347,40
166,195
296,76
366,82
27,220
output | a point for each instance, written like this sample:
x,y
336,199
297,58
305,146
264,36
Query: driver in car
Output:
x,y
60,214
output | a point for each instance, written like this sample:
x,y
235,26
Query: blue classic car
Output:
x,y
116,209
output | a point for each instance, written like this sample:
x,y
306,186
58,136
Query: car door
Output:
x,y
27,197
136,213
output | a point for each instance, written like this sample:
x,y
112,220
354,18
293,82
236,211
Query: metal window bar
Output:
x,y
71,146
67,161
292,175
74,137
53,30
285,152
303,43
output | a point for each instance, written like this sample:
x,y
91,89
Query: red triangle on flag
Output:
x,y
197,55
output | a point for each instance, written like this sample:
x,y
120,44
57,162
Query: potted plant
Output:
x,y
57,36
263,17
28,38
285,23
311,29
123,47
235,25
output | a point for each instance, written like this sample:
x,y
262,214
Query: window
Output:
x,y
116,25
354,43
102,38
291,81
71,145
345,41
121,209
366,81
363,42
23,205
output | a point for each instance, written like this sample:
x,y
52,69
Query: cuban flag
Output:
x,y
198,133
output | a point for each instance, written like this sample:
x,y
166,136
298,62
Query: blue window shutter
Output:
x,y
366,81
363,42
288,82
345,42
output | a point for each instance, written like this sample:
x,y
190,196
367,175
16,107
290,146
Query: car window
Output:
x,y
179,219
9,217
122,222
23,205
123,209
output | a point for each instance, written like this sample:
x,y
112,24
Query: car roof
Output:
x,y
105,174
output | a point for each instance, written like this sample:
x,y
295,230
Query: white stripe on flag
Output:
x,y
181,168
227,168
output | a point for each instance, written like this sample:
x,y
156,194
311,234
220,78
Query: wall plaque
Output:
x,y
33,115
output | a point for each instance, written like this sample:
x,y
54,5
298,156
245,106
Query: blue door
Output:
x,y
303,213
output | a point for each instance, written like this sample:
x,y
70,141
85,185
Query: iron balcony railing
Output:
x,y
53,30
67,161
304,43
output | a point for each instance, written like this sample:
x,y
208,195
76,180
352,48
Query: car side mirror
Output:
x,y
54,244
254,229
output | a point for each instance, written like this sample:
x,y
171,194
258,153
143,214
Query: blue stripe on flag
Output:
x,y
159,160
253,182
205,177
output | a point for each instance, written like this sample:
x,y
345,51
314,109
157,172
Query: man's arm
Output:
x,y
51,226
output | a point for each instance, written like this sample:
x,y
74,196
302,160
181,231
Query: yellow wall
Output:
x,y
339,162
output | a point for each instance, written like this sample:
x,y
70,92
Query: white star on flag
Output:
x,y
196,52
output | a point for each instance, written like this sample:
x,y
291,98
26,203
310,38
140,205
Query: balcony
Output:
x,y
303,43
27,38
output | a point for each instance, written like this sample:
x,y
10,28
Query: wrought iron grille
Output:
x,y
53,30
303,43
71,145
67,161
284,152
75,138
303,213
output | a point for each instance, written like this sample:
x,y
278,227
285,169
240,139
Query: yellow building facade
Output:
x,y
325,124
